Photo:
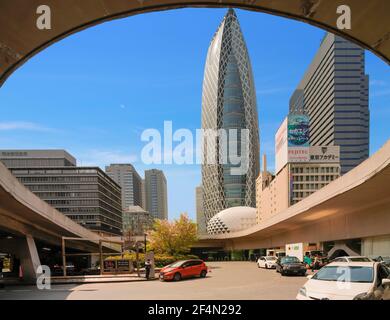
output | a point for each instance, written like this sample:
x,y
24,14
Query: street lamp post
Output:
x,y
145,242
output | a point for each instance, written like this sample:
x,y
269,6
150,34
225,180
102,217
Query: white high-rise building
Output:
x,y
229,102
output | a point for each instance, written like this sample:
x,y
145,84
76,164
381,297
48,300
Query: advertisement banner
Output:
x,y
298,154
281,148
292,141
298,131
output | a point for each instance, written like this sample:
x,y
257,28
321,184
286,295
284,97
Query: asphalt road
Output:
x,y
227,280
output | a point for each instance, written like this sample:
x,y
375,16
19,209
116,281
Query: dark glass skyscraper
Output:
x,y
334,94
156,199
130,181
229,102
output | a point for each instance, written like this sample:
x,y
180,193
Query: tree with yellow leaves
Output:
x,y
173,238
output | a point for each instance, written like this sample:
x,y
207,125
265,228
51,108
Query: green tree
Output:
x,y
173,238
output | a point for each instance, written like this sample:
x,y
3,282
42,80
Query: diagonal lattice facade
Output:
x,y
229,102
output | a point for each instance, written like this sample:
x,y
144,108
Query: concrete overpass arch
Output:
x,y
21,38
354,206
341,207
26,220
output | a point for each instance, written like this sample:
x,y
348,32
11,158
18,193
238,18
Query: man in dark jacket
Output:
x,y
148,265
1,274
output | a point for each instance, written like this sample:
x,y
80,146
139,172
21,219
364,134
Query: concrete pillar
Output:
x,y
376,246
94,260
25,250
29,258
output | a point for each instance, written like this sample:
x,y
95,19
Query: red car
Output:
x,y
184,269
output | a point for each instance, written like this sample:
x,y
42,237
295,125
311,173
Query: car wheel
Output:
x,y
177,276
203,274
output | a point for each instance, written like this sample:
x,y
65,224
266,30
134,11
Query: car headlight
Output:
x,y
302,291
361,296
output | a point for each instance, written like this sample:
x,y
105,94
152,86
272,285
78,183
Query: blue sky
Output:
x,y
96,91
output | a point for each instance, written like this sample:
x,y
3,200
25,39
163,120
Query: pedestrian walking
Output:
x,y
307,261
148,266
1,273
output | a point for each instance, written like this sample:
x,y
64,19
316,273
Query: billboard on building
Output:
x,y
298,154
298,131
281,146
298,138
328,154
292,141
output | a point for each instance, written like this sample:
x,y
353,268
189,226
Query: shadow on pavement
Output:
x,y
56,292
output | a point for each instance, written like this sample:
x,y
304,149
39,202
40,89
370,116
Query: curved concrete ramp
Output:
x,y
356,205
20,39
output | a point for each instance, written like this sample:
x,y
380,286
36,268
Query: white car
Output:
x,y
348,281
268,262
352,259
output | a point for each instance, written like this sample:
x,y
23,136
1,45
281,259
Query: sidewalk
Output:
x,y
100,279
133,277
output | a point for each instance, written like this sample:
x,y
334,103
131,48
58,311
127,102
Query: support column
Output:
x,y
25,250
29,259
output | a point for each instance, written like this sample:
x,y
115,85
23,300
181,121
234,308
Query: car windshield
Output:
x,y
270,258
176,264
290,260
345,274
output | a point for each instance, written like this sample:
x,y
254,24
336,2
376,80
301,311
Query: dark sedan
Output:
x,y
290,265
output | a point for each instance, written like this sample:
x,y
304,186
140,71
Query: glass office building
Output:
x,y
229,102
156,199
130,181
84,194
334,94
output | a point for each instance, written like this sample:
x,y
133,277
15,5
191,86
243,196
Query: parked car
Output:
x,y
268,262
184,269
348,281
58,270
384,260
352,259
290,265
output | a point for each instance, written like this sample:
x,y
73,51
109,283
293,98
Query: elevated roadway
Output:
x,y
25,218
356,205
